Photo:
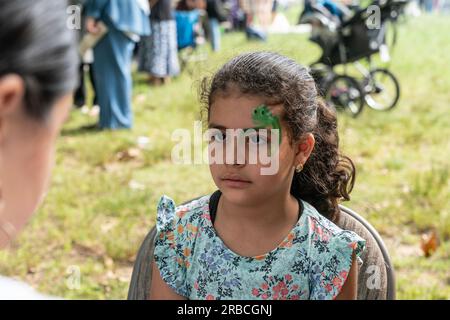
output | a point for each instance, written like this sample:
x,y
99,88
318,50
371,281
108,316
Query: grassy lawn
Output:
x,y
106,186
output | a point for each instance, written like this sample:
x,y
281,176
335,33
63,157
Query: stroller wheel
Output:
x,y
345,93
382,90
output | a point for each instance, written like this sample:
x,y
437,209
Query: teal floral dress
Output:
x,y
312,262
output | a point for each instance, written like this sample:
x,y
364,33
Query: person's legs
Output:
x,y
112,69
163,59
94,87
214,31
80,93
158,64
173,63
144,54
274,10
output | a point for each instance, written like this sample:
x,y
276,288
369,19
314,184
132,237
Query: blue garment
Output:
x,y
123,15
113,55
254,33
186,20
332,7
112,72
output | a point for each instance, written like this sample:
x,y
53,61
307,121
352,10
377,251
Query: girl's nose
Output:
x,y
238,158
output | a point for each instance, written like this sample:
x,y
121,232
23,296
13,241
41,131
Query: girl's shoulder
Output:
x,y
169,214
178,228
330,253
326,235
318,223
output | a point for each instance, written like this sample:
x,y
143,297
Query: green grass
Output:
x,y
94,219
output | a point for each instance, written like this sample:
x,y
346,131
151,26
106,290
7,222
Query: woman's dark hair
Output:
x,y
36,44
327,176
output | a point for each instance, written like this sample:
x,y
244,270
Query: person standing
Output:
x,y
86,62
258,18
126,21
158,52
216,14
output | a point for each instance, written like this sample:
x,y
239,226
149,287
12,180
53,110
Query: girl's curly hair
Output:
x,y
327,176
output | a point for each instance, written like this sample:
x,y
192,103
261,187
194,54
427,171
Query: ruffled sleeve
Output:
x,y
168,253
331,262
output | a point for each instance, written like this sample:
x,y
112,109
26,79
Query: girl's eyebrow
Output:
x,y
220,127
216,126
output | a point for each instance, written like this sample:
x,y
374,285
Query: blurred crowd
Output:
x,y
156,31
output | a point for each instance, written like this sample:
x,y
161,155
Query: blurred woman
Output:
x,y
158,54
38,73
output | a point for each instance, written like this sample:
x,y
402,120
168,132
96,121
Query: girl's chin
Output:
x,y
236,196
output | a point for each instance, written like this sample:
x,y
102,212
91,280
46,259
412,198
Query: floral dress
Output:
x,y
312,262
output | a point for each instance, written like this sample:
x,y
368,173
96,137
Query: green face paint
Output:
x,y
263,118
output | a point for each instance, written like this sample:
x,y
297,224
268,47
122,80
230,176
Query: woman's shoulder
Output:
x,y
11,289
170,214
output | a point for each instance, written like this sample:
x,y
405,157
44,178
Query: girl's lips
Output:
x,y
236,183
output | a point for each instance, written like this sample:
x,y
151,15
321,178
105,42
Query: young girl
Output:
x,y
263,236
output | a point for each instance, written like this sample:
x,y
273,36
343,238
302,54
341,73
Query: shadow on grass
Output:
x,y
86,129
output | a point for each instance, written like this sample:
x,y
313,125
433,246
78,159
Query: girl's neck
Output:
x,y
269,212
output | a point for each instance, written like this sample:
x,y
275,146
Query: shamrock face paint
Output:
x,y
263,118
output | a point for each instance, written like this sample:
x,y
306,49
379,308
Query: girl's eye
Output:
x,y
219,137
258,139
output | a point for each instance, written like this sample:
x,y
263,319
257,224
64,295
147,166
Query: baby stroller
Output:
x,y
348,38
190,37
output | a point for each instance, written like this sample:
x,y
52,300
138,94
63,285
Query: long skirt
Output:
x,y
158,52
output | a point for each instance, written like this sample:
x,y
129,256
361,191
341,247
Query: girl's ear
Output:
x,y
304,148
12,91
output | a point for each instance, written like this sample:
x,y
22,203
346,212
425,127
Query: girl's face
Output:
x,y
243,183
26,155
